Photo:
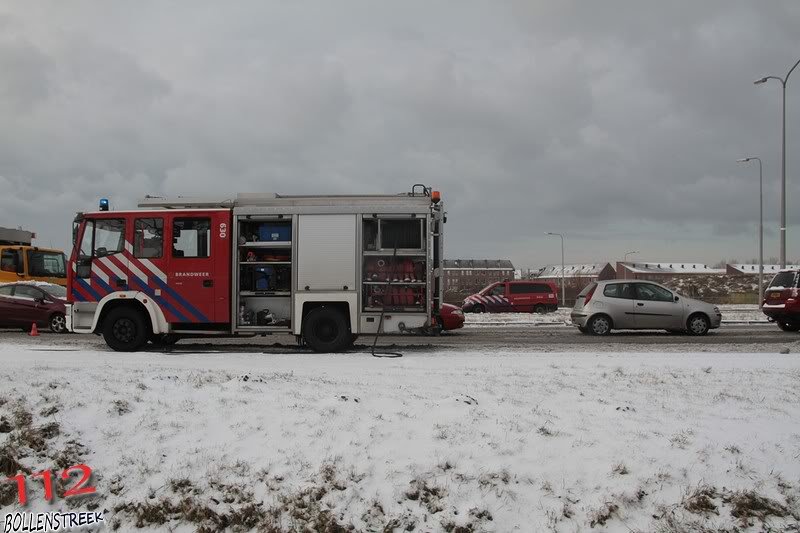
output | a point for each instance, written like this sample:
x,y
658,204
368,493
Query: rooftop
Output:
x,y
478,264
753,268
573,271
670,268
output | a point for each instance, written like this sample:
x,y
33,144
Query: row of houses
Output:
x,y
472,274
648,271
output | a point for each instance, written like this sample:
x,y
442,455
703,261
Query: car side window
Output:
x,y
619,290
653,293
523,288
500,290
31,293
6,291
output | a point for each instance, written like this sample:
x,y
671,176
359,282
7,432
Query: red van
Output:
x,y
527,296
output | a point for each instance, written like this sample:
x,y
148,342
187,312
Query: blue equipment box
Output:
x,y
275,232
262,277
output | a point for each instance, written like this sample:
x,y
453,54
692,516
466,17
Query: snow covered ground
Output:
x,y
731,314
443,441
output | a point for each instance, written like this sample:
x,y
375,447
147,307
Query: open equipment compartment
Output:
x,y
395,269
263,267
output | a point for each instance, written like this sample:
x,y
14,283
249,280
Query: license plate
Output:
x,y
775,295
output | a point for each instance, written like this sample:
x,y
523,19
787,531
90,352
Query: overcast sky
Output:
x,y
616,123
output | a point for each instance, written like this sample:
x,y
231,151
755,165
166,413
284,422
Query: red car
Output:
x,y
782,300
514,297
452,317
22,304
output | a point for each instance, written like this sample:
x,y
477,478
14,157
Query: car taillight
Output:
x,y
589,295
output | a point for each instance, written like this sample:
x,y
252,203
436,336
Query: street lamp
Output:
x,y
563,297
625,260
760,228
783,81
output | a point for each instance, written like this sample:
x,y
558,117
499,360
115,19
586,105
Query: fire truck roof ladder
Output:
x,y
272,199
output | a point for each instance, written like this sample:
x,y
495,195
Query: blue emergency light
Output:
x,y
103,204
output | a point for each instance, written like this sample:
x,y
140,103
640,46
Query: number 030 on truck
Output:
x,y
323,268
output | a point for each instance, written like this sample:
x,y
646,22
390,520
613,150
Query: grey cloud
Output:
x,y
616,123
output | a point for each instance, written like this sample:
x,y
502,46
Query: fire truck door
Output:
x,y
198,259
102,266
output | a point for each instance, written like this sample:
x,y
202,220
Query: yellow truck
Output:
x,y
20,261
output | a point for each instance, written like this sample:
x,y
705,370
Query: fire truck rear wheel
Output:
x,y
325,330
125,329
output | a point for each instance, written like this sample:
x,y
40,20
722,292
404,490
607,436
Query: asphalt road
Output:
x,y
729,338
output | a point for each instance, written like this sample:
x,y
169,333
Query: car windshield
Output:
x,y
487,288
783,280
46,264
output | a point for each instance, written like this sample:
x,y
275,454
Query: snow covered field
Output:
x,y
731,314
446,441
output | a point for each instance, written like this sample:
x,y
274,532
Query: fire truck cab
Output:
x,y
323,268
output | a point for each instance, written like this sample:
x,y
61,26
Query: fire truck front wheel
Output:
x,y
125,329
325,330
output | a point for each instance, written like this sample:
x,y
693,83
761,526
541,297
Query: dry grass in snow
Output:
x,y
430,442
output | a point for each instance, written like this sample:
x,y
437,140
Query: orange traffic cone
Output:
x,y
34,331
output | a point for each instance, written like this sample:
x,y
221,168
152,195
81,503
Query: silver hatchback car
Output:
x,y
633,304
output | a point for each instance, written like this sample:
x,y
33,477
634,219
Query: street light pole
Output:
x,y
783,81
760,228
625,260
563,293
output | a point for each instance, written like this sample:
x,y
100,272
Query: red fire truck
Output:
x,y
324,268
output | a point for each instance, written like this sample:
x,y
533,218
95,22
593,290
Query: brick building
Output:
x,y
584,272
471,275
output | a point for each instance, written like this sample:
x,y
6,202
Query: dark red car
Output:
x,y
22,304
782,300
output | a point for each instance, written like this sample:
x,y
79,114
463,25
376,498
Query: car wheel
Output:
x,y
478,308
539,309
125,330
58,323
697,325
788,326
600,325
325,330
